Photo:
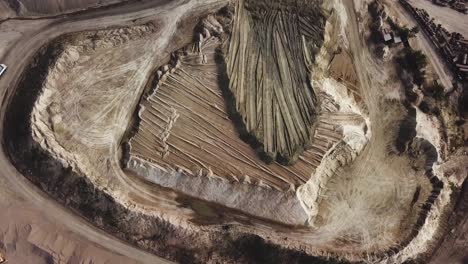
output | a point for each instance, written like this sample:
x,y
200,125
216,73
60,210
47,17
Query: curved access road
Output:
x,y
18,55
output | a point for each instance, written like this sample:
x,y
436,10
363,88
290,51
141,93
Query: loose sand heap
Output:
x,y
26,237
167,154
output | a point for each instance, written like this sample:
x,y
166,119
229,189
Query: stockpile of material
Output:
x,y
269,60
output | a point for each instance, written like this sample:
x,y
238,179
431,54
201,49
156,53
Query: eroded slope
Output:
x,y
270,56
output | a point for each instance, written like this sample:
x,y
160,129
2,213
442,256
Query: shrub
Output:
x,y
403,31
415,62
439,91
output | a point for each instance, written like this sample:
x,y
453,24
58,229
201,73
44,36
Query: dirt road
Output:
x,y
427,47
18,54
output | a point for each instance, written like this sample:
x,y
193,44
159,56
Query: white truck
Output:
x,y
3,68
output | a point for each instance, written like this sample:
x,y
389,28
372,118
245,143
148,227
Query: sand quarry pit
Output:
x,y
196,136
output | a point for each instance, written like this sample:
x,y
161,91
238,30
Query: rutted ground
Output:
x,y
100,67
82,119
37,8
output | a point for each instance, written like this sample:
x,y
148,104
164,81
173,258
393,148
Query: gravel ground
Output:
x,y
449,18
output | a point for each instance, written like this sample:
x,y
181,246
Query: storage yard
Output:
x,y
452,46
